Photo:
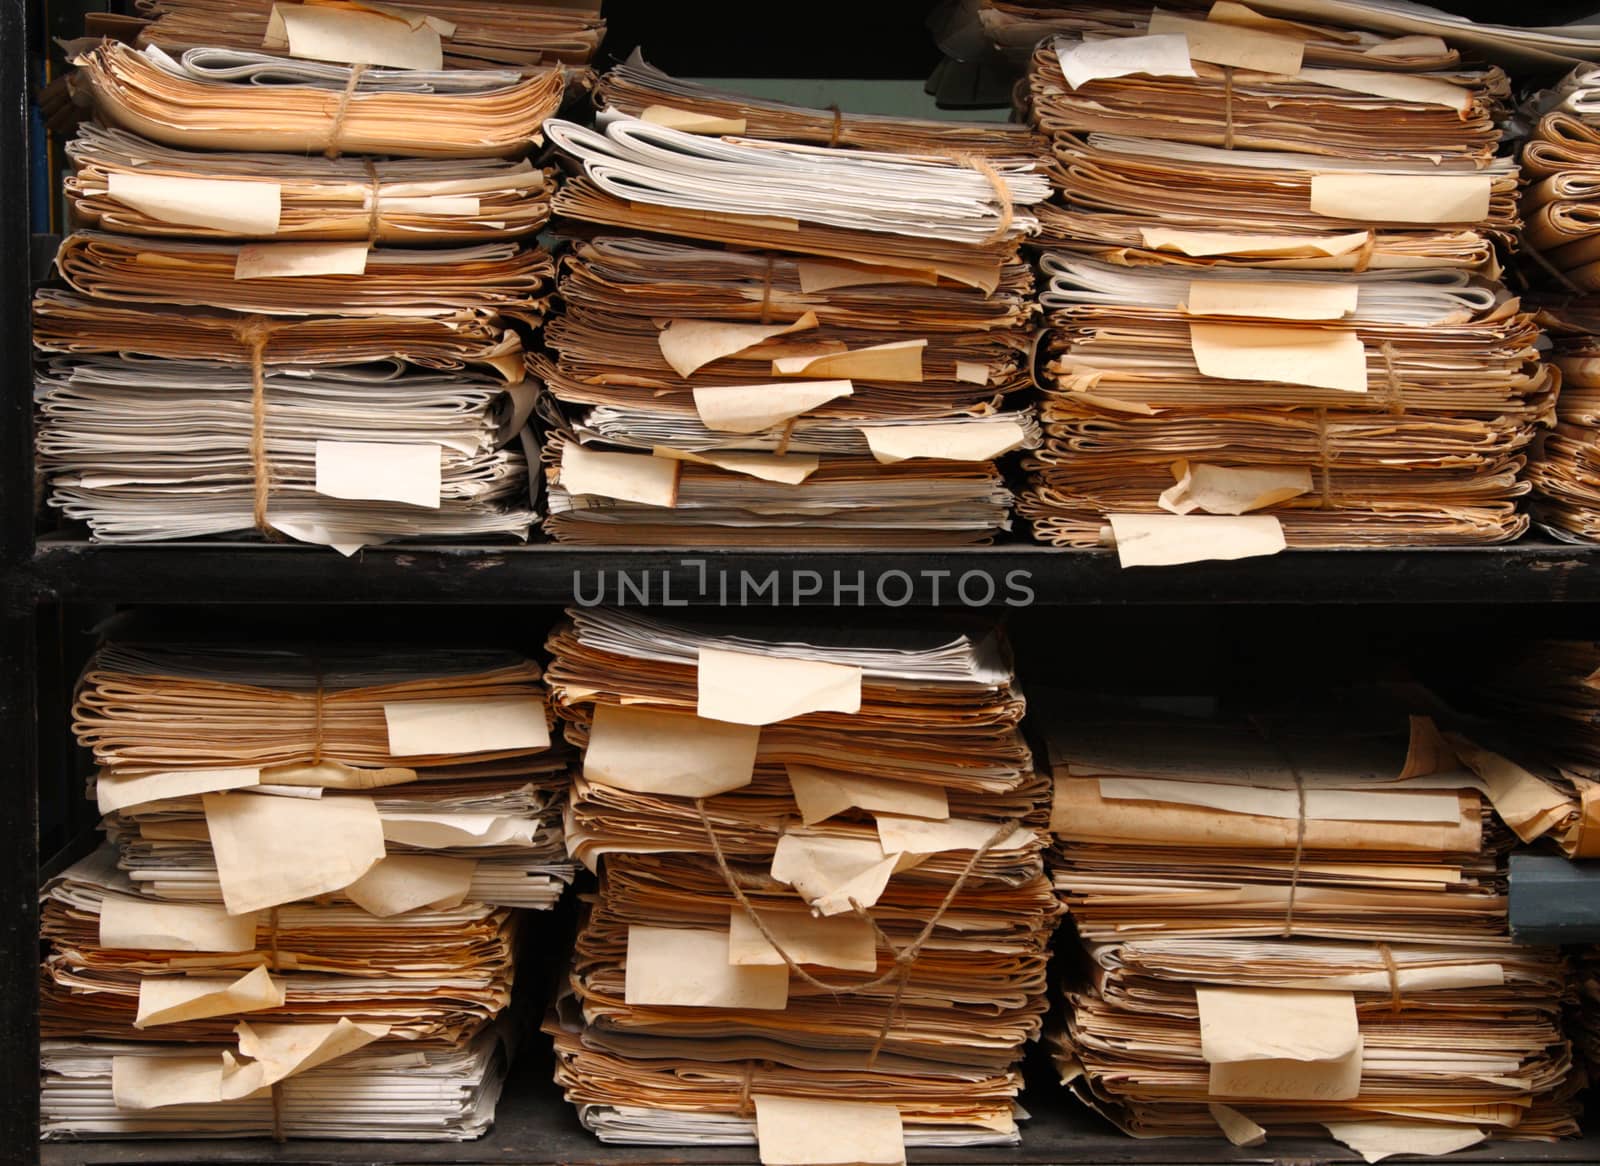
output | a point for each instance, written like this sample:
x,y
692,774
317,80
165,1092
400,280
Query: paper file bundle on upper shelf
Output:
x,y
783,949
1276,316
298,300
315,856
823,351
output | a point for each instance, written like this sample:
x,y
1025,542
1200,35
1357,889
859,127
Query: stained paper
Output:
x,y
1206,244
157,926
1228,44
627,477
691,344
1322,358
237,207
689,968
844,941
822,793
790,468
348,36
745,688
273,850
831,872
1279,300
756,408
1402,198
797,1131
919,836
654,752
432,728
1159,540
1151,56
1232,489
174,999
114,792
900,360
405,882
286,260
957,441
378,471
690,122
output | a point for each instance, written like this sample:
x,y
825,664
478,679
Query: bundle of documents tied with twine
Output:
x,y
1275,314
313,858
826,347
1299,926
1561,162
822,922
471,34
293,306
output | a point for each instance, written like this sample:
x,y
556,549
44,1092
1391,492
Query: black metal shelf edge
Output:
x,y
1015,575
535,1127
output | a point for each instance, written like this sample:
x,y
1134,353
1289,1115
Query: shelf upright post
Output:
x,y
19,802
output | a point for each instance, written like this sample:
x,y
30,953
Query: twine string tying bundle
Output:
x,y
336,130
1002,193
904,958
1394,976
254,333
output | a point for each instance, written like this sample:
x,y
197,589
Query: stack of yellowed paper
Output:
x,y
266,330
853,382
822,922
473,34
1276,316
1565,468
639,89
1302,925
309,853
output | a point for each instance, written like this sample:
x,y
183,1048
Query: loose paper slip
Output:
x,y
174,999
757,408
289,260
845,941
628,477
119,793
1227,44
1280,1044
132,924
1152,56
404,882
834,874
691,344
1145,540
821,793
690,122
433,728
747,689
242,208
381,472
805,1132
1275,301
649,751
369,36
1384,198
1232,490
1320,357
272,850
690,968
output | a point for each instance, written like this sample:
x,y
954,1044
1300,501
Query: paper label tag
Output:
x,y
372,471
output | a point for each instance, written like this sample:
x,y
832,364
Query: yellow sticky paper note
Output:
x,y
691,344
756,408
653,752
796,1131
290,260
900,360
1402,198
146,924
1160,540
272,850
1321,358
234,206
1228,44
348,36
404,882
690,122
689,968
627,477
380,471
956,441
1271,300
432,728
844,941
174,999
745,688
822,793
114,792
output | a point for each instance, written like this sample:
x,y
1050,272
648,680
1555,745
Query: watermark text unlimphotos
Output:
x,y
696,581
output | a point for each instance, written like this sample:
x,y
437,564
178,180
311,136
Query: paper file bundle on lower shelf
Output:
x,y
827,348
291,306
1297,927
821,879
1276,316
314,858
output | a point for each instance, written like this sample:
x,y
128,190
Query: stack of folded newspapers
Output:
x,y
784,949
289,308
778,334
1274,302
312,856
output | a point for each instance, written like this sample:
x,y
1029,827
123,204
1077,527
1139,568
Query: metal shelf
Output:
x,y
1013,575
